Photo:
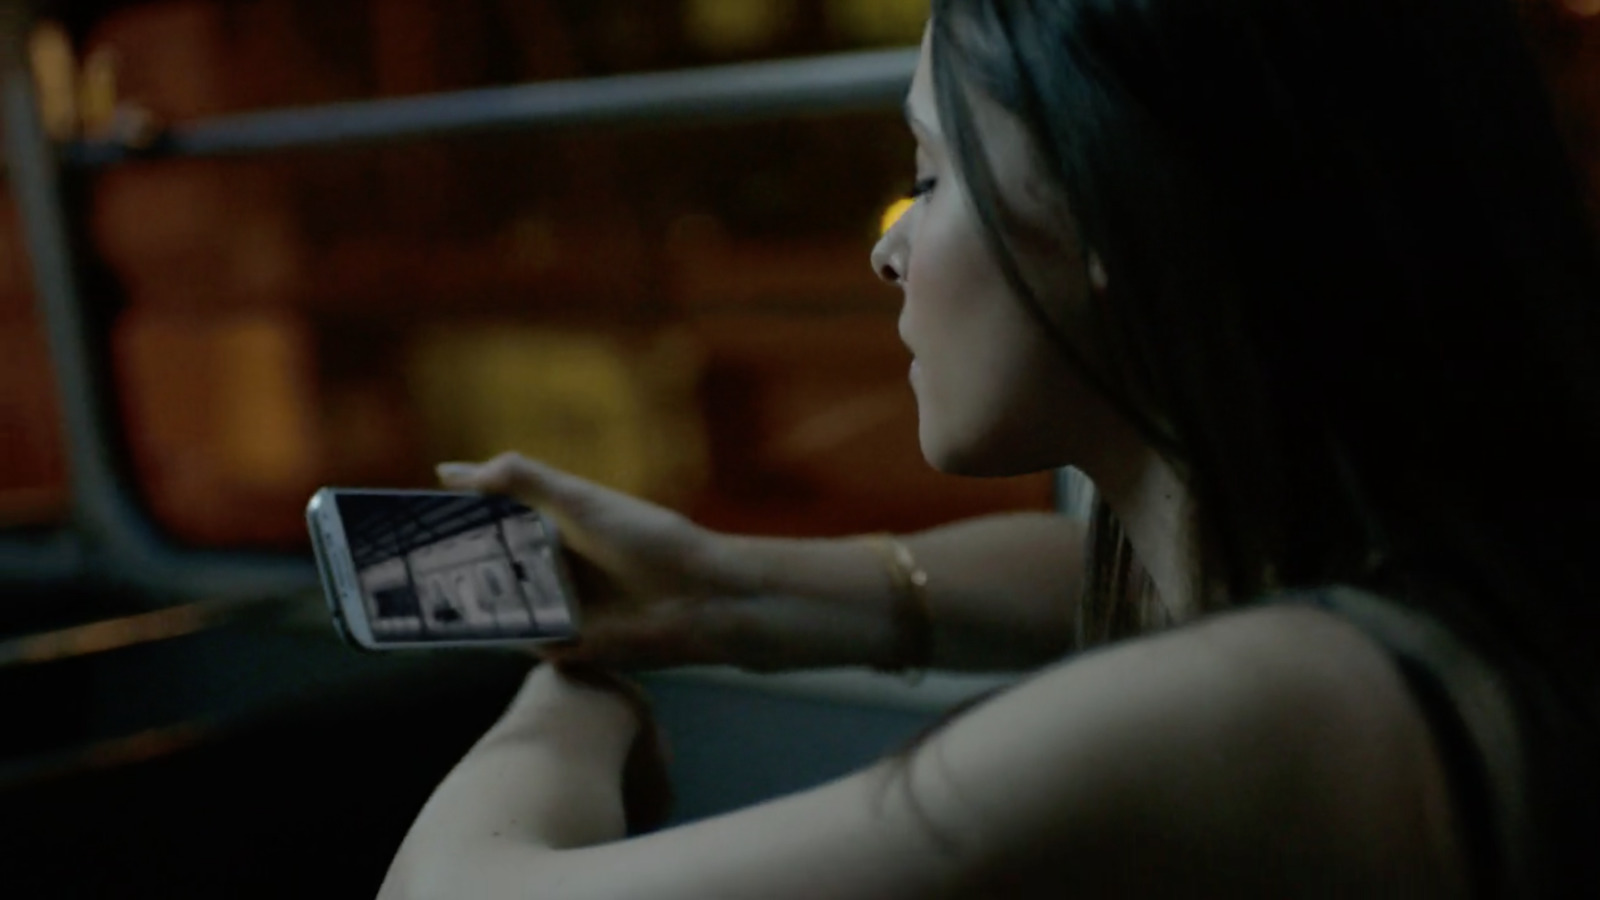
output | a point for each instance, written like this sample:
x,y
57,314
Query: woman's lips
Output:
x,y
915,366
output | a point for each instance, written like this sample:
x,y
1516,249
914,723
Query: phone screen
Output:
x,y
454,567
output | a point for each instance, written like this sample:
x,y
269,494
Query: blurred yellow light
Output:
x,y
55,75
895,211
734,25
885,21
97,91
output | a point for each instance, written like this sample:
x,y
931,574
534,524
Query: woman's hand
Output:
x,y
577,709
656,589
593,713
575,761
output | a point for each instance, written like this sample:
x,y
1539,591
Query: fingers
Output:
x,y
513,473
646,783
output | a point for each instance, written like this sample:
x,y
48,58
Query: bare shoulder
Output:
x,y
1275,750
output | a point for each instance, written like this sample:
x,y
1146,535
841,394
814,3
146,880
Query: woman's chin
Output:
x,y
966,458
976,457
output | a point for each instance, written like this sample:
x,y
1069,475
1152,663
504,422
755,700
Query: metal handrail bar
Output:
x,y
845,82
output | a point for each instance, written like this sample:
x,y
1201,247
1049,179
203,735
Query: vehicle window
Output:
x,y
683,311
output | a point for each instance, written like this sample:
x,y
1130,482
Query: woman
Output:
x,y
1307,288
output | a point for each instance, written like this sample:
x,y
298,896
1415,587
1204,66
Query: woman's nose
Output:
x,y
885,262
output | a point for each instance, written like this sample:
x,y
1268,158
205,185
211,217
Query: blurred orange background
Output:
x,y
684,312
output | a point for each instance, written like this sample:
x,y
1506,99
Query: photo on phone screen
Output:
x,y
437,567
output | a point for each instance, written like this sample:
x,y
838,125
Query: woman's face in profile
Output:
x,y
994,395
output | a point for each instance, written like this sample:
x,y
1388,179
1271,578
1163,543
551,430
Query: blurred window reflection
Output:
x,y
685,312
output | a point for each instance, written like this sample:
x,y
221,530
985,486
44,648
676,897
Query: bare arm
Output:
x,y
1002,590
661,591
1265,753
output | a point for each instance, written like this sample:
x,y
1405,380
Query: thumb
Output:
x,y
515,474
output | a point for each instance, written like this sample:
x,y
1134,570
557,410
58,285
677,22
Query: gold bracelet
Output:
x,y
913,620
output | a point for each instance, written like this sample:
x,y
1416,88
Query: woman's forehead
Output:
x,y
921,106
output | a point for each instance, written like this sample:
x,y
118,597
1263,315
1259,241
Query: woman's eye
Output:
x,y
921,187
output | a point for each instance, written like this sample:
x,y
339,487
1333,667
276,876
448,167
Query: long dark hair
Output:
x,y
1353,285
1354,294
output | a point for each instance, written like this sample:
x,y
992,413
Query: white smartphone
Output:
x,y
426,569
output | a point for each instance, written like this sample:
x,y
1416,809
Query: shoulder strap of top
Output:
x,y
1473,717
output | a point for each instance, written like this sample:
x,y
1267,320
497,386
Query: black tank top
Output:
x,y
1523,790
